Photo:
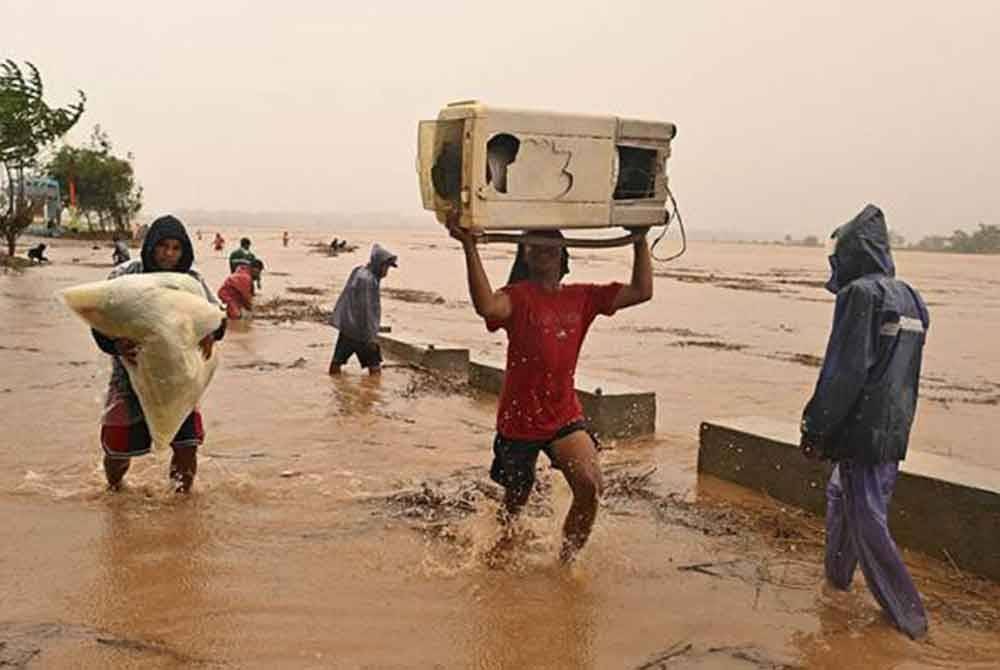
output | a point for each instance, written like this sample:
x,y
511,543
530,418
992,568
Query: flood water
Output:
x,y
344,523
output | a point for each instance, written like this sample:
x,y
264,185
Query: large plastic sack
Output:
x,y
167,314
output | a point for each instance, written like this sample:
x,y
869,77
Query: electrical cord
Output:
x,y
676,213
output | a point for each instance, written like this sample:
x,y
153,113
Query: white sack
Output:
x,y
167,314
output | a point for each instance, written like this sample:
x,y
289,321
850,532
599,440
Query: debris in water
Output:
x,y
709,344
413,295
684,654
660,659
290,309
305,290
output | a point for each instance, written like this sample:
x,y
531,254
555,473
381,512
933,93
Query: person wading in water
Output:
x,y
546,322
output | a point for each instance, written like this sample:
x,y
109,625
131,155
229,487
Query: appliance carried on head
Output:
x,y
508,169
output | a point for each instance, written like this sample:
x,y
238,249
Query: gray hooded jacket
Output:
x,y
866,396
358,312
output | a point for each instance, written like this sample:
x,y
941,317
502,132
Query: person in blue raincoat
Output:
x,y
862,410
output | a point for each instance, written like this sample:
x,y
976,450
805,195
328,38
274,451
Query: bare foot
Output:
x,y
569,551
114,472
514,540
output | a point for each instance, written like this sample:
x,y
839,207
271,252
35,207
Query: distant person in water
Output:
x,y
358,313
241,254
284,239
237,292
36,254
219,243
121,252
546,322
862,410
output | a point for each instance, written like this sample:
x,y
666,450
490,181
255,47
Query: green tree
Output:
x,y
986,240
105,184
27,125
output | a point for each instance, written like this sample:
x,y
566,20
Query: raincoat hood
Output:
x,y
164,228
862,248
380,257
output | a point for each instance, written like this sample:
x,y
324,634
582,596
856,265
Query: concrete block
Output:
x,y
486,376
613,410
941,507
446,359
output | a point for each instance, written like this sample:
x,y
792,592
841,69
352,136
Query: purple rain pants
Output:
x,y
857,530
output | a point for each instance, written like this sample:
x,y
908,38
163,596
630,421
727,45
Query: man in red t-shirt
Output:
x,y
546,322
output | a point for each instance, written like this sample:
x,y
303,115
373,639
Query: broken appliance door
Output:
x,y
440,163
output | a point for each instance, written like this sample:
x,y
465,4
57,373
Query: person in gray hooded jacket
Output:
x,y
862,410
358,313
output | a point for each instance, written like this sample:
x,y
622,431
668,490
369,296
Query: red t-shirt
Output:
x,y
545,331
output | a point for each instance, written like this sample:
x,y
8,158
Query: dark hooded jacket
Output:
x,y
866,396
358,311
163,228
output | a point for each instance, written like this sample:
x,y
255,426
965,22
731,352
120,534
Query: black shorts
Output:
x,y
514,460
369,354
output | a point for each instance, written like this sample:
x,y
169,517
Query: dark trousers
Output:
x,y
857,531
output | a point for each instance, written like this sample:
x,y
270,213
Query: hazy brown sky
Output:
x,y
791,114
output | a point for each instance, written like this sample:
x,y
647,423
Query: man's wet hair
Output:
x,y
244,241
519,271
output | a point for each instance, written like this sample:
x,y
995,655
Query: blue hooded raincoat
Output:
x,y
866,396
862,410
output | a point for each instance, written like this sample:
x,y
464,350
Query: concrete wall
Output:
x,y
446,359
940,506
614,411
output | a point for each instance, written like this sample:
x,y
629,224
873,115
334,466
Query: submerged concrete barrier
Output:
x,y
613,410
446,359
945,508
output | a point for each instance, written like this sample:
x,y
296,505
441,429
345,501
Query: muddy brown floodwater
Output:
x,y
345,523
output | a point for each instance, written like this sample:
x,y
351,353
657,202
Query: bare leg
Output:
x,y
334,368
576,457
183,467
375,370
514,500
114,471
